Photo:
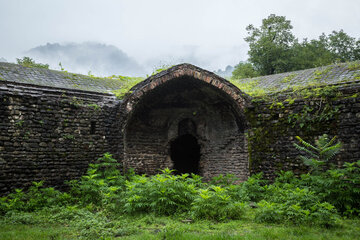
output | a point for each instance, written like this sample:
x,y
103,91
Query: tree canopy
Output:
x,y
275,49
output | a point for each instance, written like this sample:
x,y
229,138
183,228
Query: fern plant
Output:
x,y
214,203
317,156
162,194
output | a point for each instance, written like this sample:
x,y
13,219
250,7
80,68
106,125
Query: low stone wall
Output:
x,y
52,134
334,110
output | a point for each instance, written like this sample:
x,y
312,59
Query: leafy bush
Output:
x,y
253,188
324,214
269,212
285,201
29,62
321,214
291,195
224,180
339,187
37,197
16,217
101,185
103,192
162,194
215,203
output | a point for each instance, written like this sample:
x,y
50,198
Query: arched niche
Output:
x,y
165,113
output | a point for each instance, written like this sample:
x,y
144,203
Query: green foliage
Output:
x,y
274,48
353,66
224,180
343,47
244,70
97,204
321,214
127,84
311,54
69,136
318,156
160,68
101,185
162,194
285,202
37,197
270,45
340,187
253,188
94,106
19,123
29,62
215,203
309,117
269,212
250,86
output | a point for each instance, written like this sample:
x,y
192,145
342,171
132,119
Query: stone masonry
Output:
x,y
184,118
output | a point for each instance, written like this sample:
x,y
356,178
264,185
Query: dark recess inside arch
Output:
x,y
185,92
185,154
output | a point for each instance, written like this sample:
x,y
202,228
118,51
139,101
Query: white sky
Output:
x,y
159,30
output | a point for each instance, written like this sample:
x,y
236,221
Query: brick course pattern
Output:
x,y
52,133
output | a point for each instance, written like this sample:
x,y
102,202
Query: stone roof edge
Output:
x,y
50,70
284,74
193,68
353,86
57,90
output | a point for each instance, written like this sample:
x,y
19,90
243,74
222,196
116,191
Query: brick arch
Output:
x,y
155,107
241,99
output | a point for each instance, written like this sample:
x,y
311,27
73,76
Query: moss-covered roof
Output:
x,y
332,74
61,79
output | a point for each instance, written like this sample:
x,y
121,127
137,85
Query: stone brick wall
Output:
x,y
333,110
52,134
155,123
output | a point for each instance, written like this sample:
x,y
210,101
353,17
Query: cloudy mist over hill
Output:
x,y
100,59
105,60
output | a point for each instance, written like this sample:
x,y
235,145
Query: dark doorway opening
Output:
x,y
185,154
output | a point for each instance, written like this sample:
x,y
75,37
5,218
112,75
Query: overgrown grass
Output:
x,y
105,204
151,226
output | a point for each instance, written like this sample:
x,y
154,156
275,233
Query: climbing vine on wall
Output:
x,y
276,120
310,116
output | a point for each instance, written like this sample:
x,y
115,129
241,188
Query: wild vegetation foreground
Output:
x,y
106,204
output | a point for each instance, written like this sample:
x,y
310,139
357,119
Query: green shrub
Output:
x,y
15,217
291,195
254,187
215,203
102,184
224,180
292,204
323,214
163,194
269,212
35,198
29,62
339,187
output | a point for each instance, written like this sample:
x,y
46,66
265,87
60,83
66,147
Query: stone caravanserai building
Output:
x,y
53,124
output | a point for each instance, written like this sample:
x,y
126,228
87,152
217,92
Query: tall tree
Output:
x,y
271,45
310,54
244,70
343,47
